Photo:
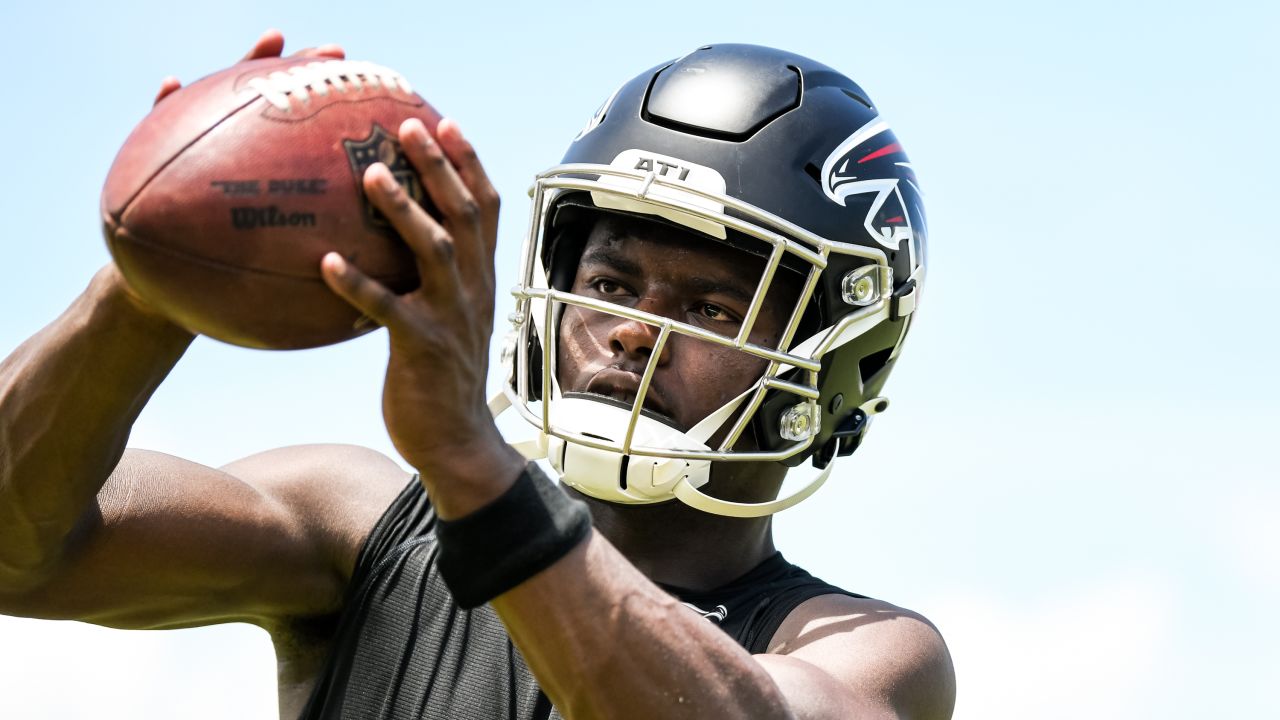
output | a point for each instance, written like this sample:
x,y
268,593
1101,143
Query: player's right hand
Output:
x,y
269,44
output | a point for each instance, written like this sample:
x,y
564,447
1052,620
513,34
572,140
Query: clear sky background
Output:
x,y
1077,478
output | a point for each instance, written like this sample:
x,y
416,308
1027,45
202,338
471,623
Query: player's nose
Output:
x,y
636,339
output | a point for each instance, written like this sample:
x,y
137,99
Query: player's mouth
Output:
x,y
622,387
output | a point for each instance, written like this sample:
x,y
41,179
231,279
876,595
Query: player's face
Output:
x,y
676,275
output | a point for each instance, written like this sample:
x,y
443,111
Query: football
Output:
x,y
222,201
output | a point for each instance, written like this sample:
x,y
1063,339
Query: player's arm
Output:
x,y
68,398
93,532
169,543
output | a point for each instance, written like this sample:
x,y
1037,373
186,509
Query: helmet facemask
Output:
x,y
621,452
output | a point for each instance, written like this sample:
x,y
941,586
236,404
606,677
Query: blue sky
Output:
x,y
1076,480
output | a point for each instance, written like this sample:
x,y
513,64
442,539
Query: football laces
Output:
x,y
320,78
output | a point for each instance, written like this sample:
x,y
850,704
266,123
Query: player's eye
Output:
x,y
714,312
605,286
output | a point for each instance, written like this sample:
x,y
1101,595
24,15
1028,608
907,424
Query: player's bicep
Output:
x,y
170,543
812,693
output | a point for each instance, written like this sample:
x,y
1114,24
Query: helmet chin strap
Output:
x,y
608,474
690,495
632,479
628,478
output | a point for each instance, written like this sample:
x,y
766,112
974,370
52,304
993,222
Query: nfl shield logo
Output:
x,y
381,146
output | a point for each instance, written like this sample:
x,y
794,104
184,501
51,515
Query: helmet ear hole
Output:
x,y
873,363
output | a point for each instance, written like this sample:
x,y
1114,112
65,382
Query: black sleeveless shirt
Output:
x,y
404,650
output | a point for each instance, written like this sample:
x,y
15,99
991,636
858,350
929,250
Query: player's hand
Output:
x,y
269,44
434,397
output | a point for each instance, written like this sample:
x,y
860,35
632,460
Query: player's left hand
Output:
x,y
434,397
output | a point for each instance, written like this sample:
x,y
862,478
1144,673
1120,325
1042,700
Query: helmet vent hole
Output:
x,y
814,172
622,471
873,363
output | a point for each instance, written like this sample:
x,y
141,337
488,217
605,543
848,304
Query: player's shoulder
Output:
x,y
299,472
845,617
333,490
337,459
866,641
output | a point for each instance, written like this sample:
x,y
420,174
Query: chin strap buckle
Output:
x,y
903,301
848,435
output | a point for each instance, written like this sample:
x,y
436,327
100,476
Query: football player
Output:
x,y
715,286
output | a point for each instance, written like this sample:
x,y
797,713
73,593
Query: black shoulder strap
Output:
x,y
751,608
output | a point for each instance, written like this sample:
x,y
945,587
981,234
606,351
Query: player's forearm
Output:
x,y
68,397
603,641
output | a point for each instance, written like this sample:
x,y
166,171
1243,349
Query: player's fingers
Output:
x,y
430,243
366,294
269,44
167,87
444,185
462,154
471,223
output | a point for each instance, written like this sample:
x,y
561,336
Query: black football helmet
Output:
x,y
769,153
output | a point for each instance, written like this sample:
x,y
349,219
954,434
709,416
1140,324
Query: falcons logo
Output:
x,y
865,164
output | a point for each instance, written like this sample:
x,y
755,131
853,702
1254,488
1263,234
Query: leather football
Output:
x,y
223,200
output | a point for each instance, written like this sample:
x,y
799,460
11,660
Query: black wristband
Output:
x,y
532,525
